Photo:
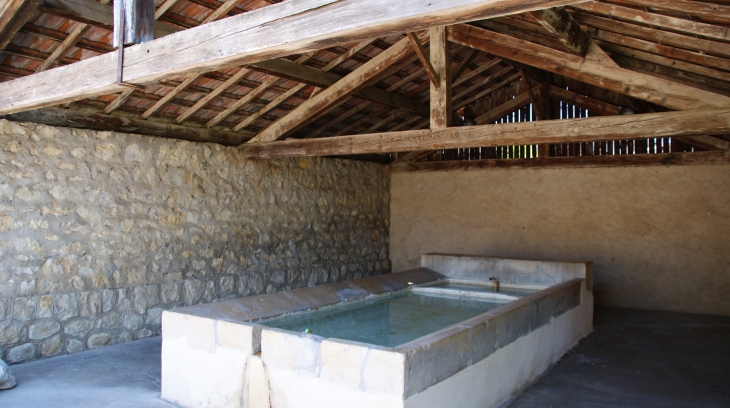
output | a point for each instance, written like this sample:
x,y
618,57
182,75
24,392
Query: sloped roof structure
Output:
x,y
308,77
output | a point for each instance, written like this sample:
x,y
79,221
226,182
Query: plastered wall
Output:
x,y
102,231
659,236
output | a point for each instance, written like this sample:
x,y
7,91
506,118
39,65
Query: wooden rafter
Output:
x,y
299,26
645,87
423,57
189,79
13,16
679,123
313,76
309,110
73,37
212,95
463,65
690,27
281,98
654,35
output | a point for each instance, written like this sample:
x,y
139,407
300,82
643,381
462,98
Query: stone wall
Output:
x,y
101,231
658,236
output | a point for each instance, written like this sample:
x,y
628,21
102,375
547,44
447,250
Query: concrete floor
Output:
x,y
640,359
633,359
121,376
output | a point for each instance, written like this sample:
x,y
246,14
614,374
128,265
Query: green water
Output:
x,y
389,321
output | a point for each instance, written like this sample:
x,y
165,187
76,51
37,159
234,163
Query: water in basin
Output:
x,y
388,321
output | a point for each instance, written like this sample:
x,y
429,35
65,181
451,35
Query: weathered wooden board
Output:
x,y
662,159
680,123
81,120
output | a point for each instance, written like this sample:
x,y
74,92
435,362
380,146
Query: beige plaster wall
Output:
x,y
659,236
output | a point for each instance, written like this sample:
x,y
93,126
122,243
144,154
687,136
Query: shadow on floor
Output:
x,y
637,358
121,376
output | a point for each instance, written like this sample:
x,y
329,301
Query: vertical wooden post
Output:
x,y
138,21
441,94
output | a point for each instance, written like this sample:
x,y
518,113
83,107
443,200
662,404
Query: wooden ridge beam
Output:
x,y
81,120
13,16
641,86
622,160
320,78
328,98
602,128
274,31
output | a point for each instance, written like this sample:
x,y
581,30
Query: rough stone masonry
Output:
x,y
101,231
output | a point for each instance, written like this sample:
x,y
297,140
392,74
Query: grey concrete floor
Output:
x,y
633,359
121,376
640,359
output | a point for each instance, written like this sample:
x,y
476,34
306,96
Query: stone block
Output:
x,y
108,300
384,372
514,321
295,352
12,332
230,311
483,337
66,306
376,285
313,297
4,308
74,346
109,321
243,337
198,332
45,307
41,329
154,316
153,295
227,285
433,358
344,291
342,362
90,304
124,300
51,346
97,340
21,353
78,327
139,299
272,304
209,291
193,291
143,334
171,292
7,380
24,309
132,321
122,336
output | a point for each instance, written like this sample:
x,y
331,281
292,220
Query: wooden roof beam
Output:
x,y
708,11
425,61
623,160
81,120
300,25
602,128
641,86
440,91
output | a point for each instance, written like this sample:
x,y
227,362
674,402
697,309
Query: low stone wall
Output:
x,y
100,232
